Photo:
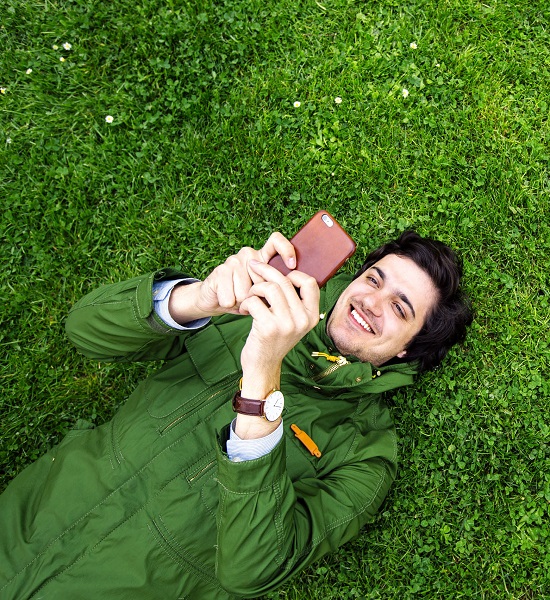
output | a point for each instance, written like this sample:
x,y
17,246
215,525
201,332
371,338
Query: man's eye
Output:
x,y
400,310
372,279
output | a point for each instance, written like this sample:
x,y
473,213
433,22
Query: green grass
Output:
x,y
206,153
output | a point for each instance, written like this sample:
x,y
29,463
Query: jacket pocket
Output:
x,y
212,355
183,383
205,405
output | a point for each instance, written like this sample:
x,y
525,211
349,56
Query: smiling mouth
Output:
x,y
359,319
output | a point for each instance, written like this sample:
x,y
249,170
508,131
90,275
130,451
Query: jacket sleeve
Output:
x,y
269,528
117,322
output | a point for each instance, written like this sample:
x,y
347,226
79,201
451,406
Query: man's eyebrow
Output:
x,y
400,295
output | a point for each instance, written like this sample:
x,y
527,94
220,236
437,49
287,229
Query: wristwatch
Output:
x,y
270,408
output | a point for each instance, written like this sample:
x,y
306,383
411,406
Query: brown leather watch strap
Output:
x,y
246,406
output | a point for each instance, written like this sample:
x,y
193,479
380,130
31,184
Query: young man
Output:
x,y
178,498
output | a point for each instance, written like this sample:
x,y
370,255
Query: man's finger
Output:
x,y
298,278
278,244
308,290
221,284
256,305
299,290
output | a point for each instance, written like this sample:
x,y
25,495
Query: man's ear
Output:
x,y
402,354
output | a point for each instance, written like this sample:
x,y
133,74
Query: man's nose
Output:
x,y
373,303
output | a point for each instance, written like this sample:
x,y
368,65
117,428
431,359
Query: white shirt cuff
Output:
x,y
239,450
161,297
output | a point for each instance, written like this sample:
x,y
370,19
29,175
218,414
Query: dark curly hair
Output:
x,y
447,322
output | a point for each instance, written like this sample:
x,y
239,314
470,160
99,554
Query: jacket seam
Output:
x,y
316,541
116,451
269,486
353,515
374,419
138,319
279,529
178,554
354,421
205,505
221,510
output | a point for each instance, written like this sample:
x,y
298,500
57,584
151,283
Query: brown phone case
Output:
x,y
322,247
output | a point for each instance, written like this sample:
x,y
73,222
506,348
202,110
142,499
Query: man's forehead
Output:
x,y
398,266
406,277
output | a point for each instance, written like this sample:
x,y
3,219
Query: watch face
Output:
x,y
274,405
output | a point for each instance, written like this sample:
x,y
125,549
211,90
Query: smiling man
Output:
x,y
263,442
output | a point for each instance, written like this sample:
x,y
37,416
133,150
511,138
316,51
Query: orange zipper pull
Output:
x,y
306,440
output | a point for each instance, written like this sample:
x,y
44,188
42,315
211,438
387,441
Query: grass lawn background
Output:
x,y
442,127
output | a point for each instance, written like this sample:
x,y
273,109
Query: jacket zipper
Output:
x,y
199,473
186,414
339,361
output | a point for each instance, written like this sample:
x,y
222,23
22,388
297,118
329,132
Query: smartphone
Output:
x,y
322,247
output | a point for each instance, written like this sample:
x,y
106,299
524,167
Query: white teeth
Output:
x,y
361,321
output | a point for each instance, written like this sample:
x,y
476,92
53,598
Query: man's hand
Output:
x,y
283,309
229,284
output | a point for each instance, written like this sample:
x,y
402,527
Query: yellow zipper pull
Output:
x,y
339,359
306,440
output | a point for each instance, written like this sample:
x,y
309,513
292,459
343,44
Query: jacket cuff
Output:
x,y
161,298
250,476
144,290
239,449
145,299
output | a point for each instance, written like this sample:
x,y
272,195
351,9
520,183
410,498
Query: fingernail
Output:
x,y
291,263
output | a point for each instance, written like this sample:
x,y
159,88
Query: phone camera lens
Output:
x,y
327,221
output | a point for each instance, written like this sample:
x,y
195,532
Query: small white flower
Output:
x,y
437,65
8,140
338,100
67,46
109,119
62,59
405,92
28,71
55,47
413,45
297,104
3,90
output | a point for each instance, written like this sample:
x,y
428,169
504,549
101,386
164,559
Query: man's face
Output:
x,y
379,313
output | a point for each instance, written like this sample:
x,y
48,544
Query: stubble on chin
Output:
x,y
339,340
345,348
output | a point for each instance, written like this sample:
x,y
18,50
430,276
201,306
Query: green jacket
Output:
x,y
148,506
